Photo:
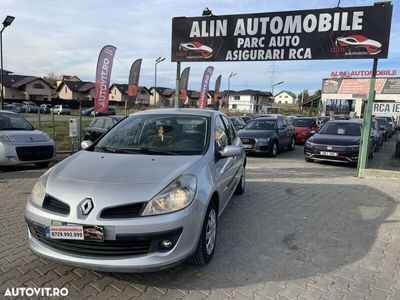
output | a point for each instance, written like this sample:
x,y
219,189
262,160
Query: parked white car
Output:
x,y
21,144
61,109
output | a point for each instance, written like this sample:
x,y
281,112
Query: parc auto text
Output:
x,y
262,38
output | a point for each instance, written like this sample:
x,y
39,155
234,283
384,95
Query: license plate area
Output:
x,y
75,232
327,153
248,146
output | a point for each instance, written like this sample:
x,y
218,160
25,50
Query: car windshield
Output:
x,y
261,125
298,122
341,129
382,122
14,122
157,134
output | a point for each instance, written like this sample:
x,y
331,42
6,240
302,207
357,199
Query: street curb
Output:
x,y
375,173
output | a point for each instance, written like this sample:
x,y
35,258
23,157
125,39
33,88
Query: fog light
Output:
x,y
166,244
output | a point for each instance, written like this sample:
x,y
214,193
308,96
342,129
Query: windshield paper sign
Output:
x,y
337,33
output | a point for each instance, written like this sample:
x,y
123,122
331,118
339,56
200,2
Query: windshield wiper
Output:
x,y
144,150
107,149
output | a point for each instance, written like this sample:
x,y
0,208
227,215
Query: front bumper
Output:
x,y
253,145
10,156
339,154
185,225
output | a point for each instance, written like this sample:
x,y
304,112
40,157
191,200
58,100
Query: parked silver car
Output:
x,y
21,144
145,196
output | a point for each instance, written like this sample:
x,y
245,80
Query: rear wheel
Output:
x,y
206,245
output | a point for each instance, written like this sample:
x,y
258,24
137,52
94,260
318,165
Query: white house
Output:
x,y
246,101
285,97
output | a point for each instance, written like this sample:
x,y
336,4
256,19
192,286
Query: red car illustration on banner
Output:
x,y
359,42
196,47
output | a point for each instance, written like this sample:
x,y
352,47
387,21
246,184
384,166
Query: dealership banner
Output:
x,y
103,75
184,83
204,87
334,33
217,93
133,83
359,87
386,109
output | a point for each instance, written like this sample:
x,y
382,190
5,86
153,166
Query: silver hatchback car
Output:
x,y
145,196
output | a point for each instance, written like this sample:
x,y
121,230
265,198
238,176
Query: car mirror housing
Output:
x,y
86,144
230,151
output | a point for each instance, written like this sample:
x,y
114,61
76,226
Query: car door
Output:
x,y
282,133
224,166
237,161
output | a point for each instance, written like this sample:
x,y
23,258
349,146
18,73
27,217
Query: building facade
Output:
x,y
285,97
246,101
76,90
348,95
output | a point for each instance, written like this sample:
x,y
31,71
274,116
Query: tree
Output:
x,y
51,79
303,96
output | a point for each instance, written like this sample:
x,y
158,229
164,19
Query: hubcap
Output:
x,y
211,231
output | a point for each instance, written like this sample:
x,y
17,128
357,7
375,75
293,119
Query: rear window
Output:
x,y
303,122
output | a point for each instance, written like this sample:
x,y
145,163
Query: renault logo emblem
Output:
x,y
86,206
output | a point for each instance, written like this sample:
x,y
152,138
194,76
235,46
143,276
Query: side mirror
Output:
x,y
86,144
230,151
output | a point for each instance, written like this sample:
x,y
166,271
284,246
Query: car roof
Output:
x,y
351,121
8,112
179,111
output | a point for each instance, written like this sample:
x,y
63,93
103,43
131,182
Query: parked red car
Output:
x,y
304,128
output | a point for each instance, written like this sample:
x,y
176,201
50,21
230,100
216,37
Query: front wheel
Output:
x,y
208,237
274,150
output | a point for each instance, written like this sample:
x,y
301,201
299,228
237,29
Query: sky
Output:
x,y
65,37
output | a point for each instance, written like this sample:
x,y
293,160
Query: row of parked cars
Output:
x,y
32,107
327,138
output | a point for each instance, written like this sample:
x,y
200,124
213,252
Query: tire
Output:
x,y
242,183
203,254
42,164
292,145
309,160
274,151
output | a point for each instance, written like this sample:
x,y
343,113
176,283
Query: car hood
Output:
x,y
339,140
22,136
112,179
256,133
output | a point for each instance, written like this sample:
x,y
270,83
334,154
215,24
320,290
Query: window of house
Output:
x,y
279,101
65,90
115,91
237,98
234,106
286,96
286,102
38,85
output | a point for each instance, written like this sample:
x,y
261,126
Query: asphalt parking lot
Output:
x,y
300,231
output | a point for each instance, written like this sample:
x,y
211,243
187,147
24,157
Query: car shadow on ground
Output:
x,y
295,231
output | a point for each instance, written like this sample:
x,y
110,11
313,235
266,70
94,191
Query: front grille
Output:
x,y
123,245
123,211
35,153
55,205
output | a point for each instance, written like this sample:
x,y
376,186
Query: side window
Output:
x,y
108,123
221,138
231,130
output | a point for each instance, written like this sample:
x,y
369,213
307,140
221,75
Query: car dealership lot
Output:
x,y
300,229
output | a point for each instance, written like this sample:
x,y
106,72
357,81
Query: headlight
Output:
x,y
39,189
176,196
6,138
354,148
309,144
263,140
